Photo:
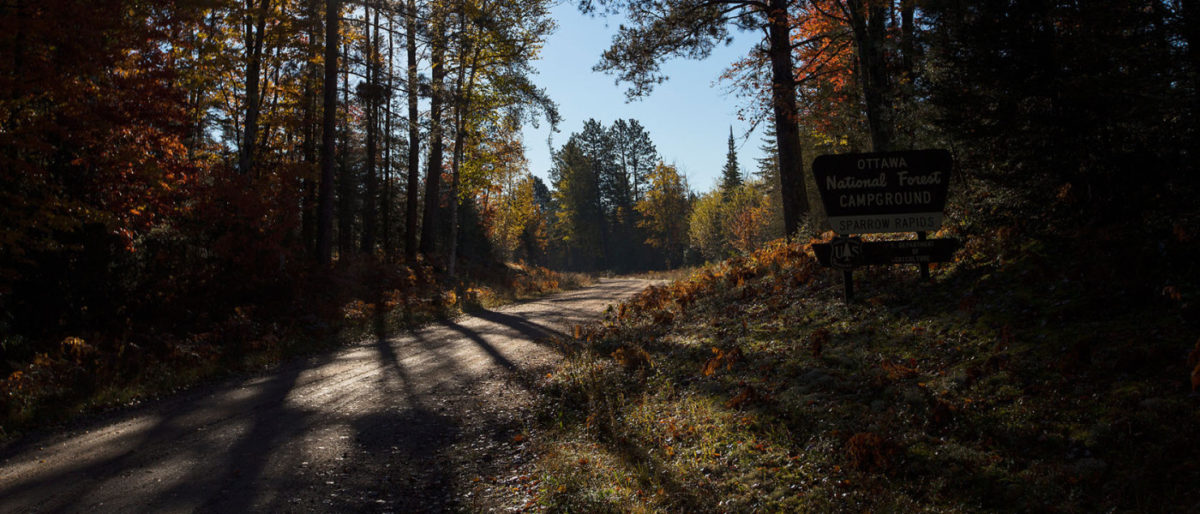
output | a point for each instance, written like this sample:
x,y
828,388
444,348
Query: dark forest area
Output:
x,y
195,187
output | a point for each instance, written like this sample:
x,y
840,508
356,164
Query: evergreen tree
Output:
x,y
731,178
579,220
768,180
636,154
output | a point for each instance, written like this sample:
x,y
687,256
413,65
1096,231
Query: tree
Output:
x,y
255,19
493,45
731,178
747,218
328,128
347,180
1046,102
414,133
706,231
724,223
433,177
636,154
691,29
372,93
868,22
665,212
597,146
518,230
768,183
578,217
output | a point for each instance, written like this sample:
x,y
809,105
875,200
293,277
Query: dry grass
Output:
x,y
1007,385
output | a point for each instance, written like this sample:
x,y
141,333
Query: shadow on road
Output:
x,y
399,424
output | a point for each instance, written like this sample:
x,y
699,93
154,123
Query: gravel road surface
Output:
x,y
426,421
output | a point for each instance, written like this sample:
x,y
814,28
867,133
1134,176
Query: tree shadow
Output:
x,y
178,435
380,427
535,332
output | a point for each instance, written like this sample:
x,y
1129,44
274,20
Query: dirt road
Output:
x,y
424,421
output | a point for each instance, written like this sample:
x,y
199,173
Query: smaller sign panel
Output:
x,y
884,192
845,252
887,252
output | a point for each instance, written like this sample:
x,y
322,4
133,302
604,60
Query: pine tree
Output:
x,y
731,177
768,180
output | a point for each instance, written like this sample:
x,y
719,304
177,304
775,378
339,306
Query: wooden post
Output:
x,y
848,283
924,265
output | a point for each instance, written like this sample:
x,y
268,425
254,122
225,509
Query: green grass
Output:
x,y
1006,385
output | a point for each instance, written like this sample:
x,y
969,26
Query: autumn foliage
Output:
x,y
158,190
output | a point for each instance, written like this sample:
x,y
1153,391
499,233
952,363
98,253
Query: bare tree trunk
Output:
x,y
370,200
328,126
452,251
462,101
414,141
868,24
254,45
787,128
346,183
434,175
388,185
308,222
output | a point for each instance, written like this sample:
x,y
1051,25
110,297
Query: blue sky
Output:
x,y
688,117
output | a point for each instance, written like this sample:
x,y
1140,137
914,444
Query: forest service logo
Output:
x,y
845,252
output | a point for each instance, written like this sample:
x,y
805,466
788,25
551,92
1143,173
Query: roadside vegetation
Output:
x,y
1026,377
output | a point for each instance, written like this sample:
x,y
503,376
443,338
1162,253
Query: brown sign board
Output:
x,y
848,253
884,191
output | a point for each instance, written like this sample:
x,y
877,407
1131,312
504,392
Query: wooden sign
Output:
x,y
868,193
836,255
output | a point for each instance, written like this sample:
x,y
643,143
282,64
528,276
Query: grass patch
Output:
x,y
1009,384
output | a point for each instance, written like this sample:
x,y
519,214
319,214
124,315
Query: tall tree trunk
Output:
x,y
346,183
452,251
787,127
388,183
462,104
328,127
254,46
434,175
414,141
869,25
264,132
370,201
308,222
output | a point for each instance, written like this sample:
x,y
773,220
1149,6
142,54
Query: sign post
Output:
x,y
845,253
885,192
